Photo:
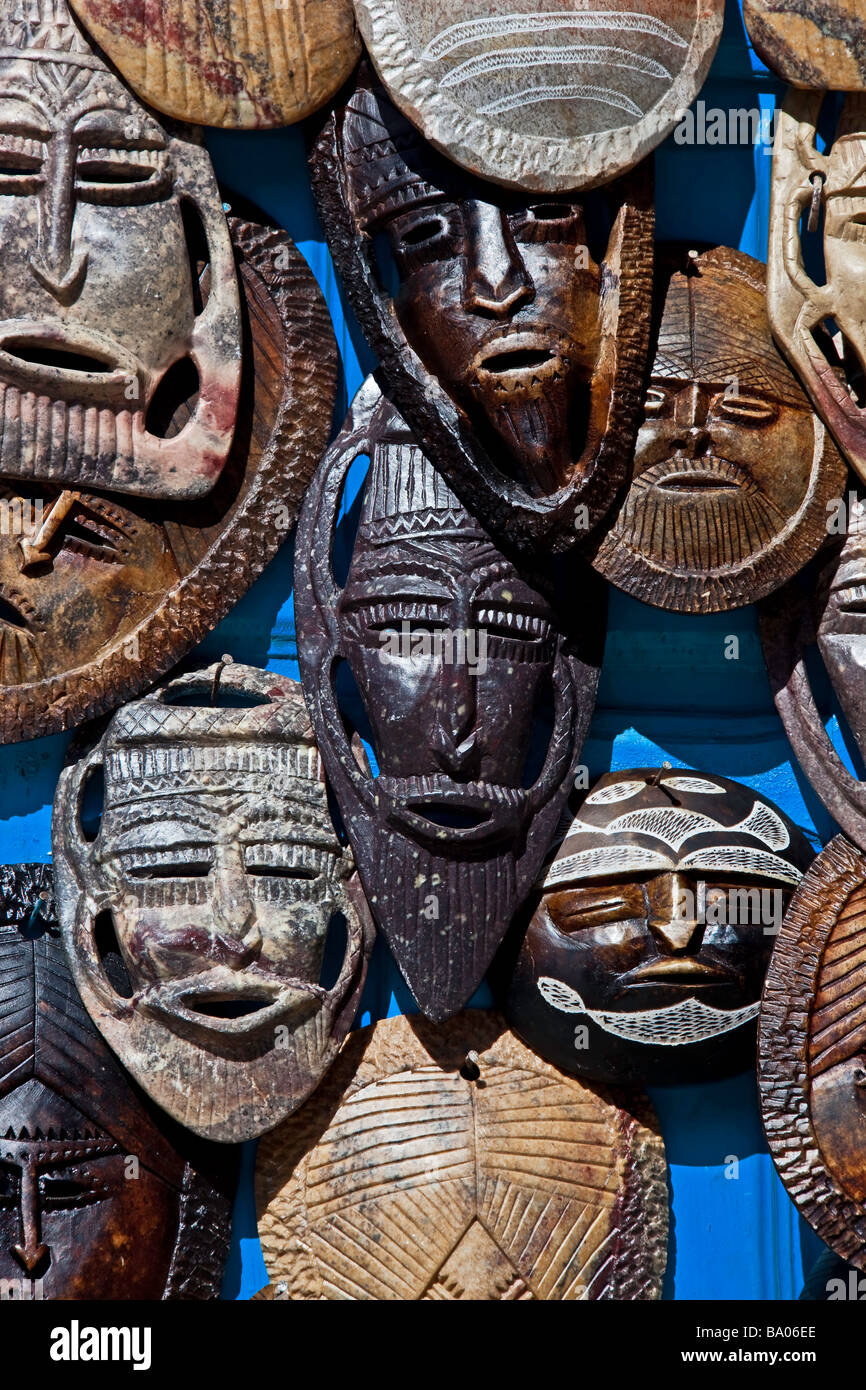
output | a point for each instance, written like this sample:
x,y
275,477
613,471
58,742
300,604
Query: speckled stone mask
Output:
x,y
100,207
453,650
196,920
645,957
101,1197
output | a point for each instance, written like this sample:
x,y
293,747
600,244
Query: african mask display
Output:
x,y
812,1050
733,471
478,703
98,305
196,919
513,330
822,327
444,1163
646,954
104,591
100,1196
827,609
810,45
543,99
236,63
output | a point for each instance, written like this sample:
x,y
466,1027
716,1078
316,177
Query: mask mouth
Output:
x,y
438,811
233,1004
521,362
55,361
681,475
679,970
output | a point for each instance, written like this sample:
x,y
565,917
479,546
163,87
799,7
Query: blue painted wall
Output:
x,y
667,691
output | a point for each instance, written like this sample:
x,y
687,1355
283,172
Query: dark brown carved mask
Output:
x,y
812,1066
732,469
827,607
218,865
97,301
646,954
100,1196
515,337
453,651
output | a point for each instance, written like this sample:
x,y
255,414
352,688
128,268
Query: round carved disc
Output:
x,y
239,64
819,46
131,585
812,1050
449,1162
545,98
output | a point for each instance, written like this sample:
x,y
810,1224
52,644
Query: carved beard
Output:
x,y
722,529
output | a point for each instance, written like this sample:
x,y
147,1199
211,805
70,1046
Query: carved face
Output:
x,y
221,904
487,310
721,507
645,957
453,652
101,327
91,1189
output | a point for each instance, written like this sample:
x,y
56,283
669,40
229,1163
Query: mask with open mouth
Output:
x,y
202,923
548,97
828,608
100,207
645,956
101,1197
733,471
812,1050
513,329
477,700
822,328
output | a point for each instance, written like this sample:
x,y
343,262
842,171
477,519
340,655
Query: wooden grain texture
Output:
x,y
821,327
453,649
733,470
548,99
819,44
207,979
812,1050
405,1180
101,1197
132,586
241,64
513,342
645,955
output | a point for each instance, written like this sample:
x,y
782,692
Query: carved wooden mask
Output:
x,y
218,866
100,1196
810,45
551,99
441,1163
827,608
822,328
645,957
513,329
452,650
231,63
812,1050
105,592
97,303
732,469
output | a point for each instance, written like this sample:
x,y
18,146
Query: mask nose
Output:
x,y
31,1251
497,281
456,746
57,266
691,419
675,914
231,902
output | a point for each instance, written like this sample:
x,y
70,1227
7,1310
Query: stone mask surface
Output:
x,y
817,46
732,469
218,862
447,1162
827,609
453,650
97,300
100,1196
646,954
513,329
812,1050
822,328
552,98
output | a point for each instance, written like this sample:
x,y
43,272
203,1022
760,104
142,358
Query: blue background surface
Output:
x,y
667,691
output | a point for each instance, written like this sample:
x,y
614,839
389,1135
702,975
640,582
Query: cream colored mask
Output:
x,y
196,919
104,215
822,328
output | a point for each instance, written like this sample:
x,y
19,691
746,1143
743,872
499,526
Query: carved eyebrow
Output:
x,y
405,590
27,121
125,129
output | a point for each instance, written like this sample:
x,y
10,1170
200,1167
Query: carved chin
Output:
x,y
534,422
